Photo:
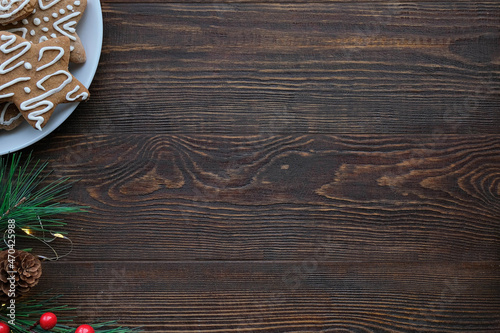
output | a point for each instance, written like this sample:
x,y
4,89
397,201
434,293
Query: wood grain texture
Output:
x,y
287,1
296,68
284,297
286,167
368,198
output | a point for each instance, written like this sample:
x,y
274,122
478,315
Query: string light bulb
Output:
x,y
27,231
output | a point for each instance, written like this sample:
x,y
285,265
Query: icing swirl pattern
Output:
x,y
6,120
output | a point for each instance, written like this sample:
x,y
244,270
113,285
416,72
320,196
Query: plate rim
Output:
x,y
98,30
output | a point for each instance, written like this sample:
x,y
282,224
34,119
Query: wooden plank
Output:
x,y
282,297
256,227
373,197
281,1
295,68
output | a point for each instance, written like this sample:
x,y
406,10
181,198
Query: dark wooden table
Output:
x,y
287,167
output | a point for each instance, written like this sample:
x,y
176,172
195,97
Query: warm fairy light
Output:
x,y
27,231
58,235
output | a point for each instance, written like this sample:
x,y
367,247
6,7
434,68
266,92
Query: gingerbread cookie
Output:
x,y
52,19
10,117
35,77
12,10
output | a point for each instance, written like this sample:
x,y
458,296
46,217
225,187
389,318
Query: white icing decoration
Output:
x,y
4,112
43,7
84,95
53,35
45,29
54,15
46,19
32,32
69,7
27,90
63,20
77,3
28,66
71,48
39,100
4,48
37,21
62,11
22,30
11,83
68,26
56,59
42,39
7,5
25,21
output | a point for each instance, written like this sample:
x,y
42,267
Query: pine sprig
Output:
x,y
28,311
24,198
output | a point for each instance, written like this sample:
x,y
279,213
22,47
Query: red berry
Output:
x,y
4,328
48,321
84,329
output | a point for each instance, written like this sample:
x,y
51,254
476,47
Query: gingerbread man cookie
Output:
x,y
12,10
52,19
35,77
10,117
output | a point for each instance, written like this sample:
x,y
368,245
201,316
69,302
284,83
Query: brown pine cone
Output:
x,y
28,270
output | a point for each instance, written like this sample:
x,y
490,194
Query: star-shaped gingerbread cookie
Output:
x,y
12,10
52,19
35,77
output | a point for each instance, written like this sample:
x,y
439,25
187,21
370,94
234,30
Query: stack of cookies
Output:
x,y
38,39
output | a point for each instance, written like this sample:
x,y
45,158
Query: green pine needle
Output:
x,y
24,198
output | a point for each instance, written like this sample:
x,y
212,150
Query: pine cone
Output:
x,y
28,270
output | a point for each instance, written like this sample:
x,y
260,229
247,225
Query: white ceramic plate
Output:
x,y
90,31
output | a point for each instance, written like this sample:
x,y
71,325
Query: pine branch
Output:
x,y
15,206
24,198
32,205
28,311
